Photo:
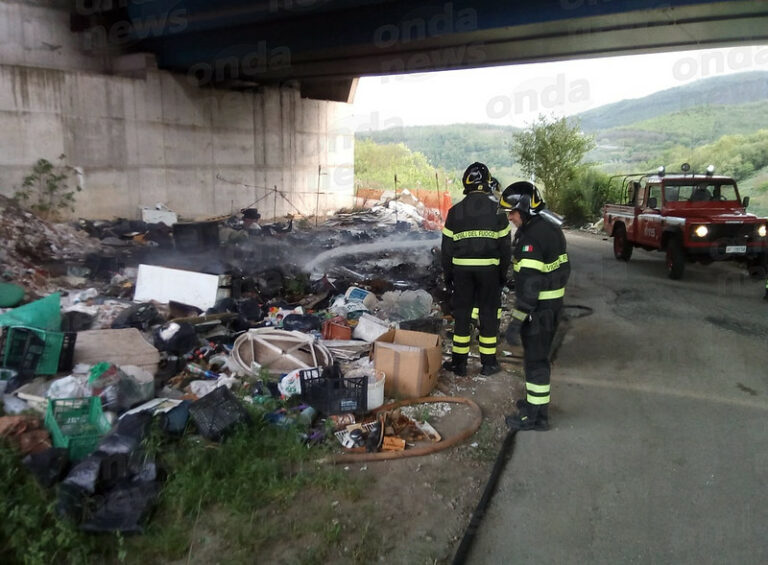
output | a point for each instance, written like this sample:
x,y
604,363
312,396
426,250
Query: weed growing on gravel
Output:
x,y
488,443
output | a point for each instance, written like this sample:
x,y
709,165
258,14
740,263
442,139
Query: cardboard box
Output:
x,y
410,361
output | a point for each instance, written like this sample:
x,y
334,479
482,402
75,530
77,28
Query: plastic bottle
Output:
x,y
196,369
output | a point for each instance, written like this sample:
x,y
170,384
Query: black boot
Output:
x,y
490,368
457,365
529,417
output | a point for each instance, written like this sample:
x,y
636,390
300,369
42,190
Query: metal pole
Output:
x,y
396,218
274,204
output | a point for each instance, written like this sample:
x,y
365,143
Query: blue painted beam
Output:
x,y
271,35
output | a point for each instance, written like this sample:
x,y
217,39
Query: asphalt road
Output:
x,y
659,446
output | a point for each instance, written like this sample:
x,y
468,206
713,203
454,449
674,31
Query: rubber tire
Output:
x,y
622,248
675,258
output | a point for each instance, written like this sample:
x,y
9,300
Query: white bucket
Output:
x,y
376,390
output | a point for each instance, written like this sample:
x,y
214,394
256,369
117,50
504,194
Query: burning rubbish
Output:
x,y
202,328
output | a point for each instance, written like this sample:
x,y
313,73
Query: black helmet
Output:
x,y
522,196
494,185
476,177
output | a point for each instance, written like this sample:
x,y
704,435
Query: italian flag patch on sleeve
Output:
x,y
527,248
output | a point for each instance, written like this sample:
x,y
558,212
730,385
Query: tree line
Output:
x,y
552,152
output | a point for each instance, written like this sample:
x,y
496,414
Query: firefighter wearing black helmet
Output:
x,y
476,253
541,271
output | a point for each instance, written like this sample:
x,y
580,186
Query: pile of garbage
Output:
x,y
28,244
325,321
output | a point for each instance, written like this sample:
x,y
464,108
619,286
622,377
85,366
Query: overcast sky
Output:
x,y
516,94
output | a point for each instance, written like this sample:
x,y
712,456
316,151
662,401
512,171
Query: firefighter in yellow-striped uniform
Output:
x,y
541,270
476,253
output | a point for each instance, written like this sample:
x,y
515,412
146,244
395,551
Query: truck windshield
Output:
x,y
704,191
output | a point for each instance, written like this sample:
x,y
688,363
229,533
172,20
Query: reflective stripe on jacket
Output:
x,y
541,265
476,234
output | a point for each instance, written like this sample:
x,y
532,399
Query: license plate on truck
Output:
x,y
736,249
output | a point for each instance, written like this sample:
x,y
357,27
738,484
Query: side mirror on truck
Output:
x,y
745,201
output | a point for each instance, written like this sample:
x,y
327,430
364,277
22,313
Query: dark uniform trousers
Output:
x,y
537,336
476,248
476,287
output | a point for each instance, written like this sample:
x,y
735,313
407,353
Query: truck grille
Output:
x,y
731,231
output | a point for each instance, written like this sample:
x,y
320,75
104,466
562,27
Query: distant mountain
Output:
x,y
736,89
692,127
628,133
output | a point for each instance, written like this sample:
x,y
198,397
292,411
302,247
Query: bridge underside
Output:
x,y
325,45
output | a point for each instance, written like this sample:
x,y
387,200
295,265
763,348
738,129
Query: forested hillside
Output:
x,y
729,90
453,147
641,142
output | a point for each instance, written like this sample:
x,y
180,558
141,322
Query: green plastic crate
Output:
x,y
37,351
76,424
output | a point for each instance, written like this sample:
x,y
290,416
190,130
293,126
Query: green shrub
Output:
x,y
45,190
585,196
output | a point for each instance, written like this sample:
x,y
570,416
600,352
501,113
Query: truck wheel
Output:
x,y
622,248
675,258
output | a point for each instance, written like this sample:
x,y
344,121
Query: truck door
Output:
x,y
649,218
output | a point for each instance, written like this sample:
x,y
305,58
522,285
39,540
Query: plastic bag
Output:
x,y
140,316
103,380
134,387
290,384
47,466
406,305
123,509
176,338
201,388
44,314
301,322
68,387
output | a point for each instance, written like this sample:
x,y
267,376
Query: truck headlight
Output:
x,y
762,230
701,231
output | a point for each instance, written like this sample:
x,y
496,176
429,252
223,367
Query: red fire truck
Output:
x,y
691,217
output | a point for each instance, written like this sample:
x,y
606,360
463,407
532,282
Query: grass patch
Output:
x,y
30,531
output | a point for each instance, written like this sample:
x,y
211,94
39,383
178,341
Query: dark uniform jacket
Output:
x,y
541,265
476,234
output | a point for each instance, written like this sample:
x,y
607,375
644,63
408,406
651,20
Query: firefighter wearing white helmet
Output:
x,y
476,253
541,271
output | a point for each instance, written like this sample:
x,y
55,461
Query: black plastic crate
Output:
x,y
193,236
22,349
217,413
334,395
67,357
